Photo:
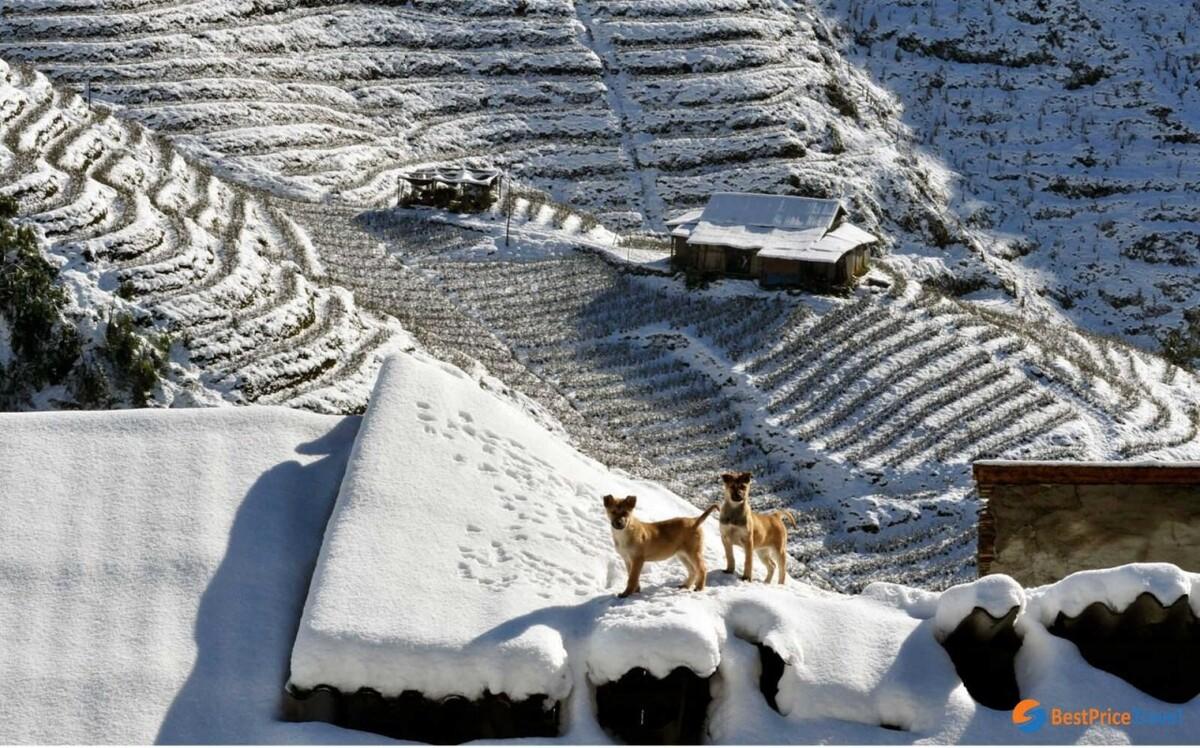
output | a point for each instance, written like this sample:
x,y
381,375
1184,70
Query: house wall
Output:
x,y
773,270
1039,533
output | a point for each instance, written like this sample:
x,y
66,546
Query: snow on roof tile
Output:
x,y
452,175
770,211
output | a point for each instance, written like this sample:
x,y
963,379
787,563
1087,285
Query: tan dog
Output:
x,y
761,534
639,542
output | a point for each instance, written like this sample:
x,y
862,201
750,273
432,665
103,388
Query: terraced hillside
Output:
x,y
134,225
630,108
1073,132
862,413
253,229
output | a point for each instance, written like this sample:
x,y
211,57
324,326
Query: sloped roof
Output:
x,y
770,211
828,248
690,216
780,226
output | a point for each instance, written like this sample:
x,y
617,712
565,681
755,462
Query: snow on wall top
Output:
x,y
458,515
153,565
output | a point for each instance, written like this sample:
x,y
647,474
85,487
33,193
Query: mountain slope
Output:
x,y
132,225
1072,130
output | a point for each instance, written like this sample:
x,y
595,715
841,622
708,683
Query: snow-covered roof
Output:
x,y
452,175
152,567
690,216
458,514
779,226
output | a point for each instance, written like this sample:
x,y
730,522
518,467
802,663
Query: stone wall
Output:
x,y
1040,532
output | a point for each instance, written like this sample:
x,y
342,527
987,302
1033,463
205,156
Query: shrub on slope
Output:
x,y
45,349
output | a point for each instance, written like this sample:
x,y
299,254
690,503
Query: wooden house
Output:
x,y
778,239
452,188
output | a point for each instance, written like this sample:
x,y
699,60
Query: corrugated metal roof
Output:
x,y
770,211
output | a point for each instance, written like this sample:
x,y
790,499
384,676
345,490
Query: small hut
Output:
x,y
778,239
458,188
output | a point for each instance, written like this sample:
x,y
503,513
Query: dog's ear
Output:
x,y
609,500
744,477
727,477
630,501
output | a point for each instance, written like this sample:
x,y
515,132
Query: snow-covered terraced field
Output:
x,y
131,222
628,108
863,413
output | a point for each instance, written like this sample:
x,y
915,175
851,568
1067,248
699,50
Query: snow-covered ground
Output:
x,y
1067,131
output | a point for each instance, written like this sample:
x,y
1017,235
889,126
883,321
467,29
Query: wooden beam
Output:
x,y
1015,473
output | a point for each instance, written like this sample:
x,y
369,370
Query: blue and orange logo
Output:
x,y
1028,715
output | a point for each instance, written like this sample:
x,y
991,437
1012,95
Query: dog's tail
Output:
x,y
787,515
700,520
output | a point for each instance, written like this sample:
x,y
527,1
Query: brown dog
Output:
x,y
762,534
639,542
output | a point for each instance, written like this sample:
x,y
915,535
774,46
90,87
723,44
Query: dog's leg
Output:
x,y
686,560
748,547
728,543
769,561
635,574
701,570
781,558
